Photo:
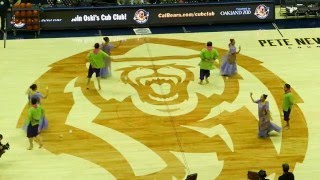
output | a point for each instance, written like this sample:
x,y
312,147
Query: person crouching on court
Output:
x,y
35,115
95,57
208,55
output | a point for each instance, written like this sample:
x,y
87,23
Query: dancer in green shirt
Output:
x,y
208,55
95,57
35,116
287,104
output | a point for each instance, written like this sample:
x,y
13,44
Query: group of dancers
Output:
x,y
100,64
209,55
36,122
228,67
265,124
99,59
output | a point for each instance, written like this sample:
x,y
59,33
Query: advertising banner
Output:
x,y
156,15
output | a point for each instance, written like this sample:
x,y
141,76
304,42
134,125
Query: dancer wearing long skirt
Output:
x,y
264,125
33,92
229,65
107,47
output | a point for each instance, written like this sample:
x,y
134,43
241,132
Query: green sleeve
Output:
x,y
88,56
202,55
105,55
216,55
29,117
291,100
42,115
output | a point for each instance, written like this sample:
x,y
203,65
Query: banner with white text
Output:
x,y
156,15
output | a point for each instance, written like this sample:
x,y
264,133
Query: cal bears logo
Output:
x,y
262,11
141,16
153,121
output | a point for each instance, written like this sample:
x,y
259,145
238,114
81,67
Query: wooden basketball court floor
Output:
x,y
152,120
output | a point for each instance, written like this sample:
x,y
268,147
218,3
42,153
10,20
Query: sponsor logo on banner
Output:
x,y
262,11
237,12
99,17
141,16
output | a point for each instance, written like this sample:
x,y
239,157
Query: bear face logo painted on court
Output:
x,y
149,101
